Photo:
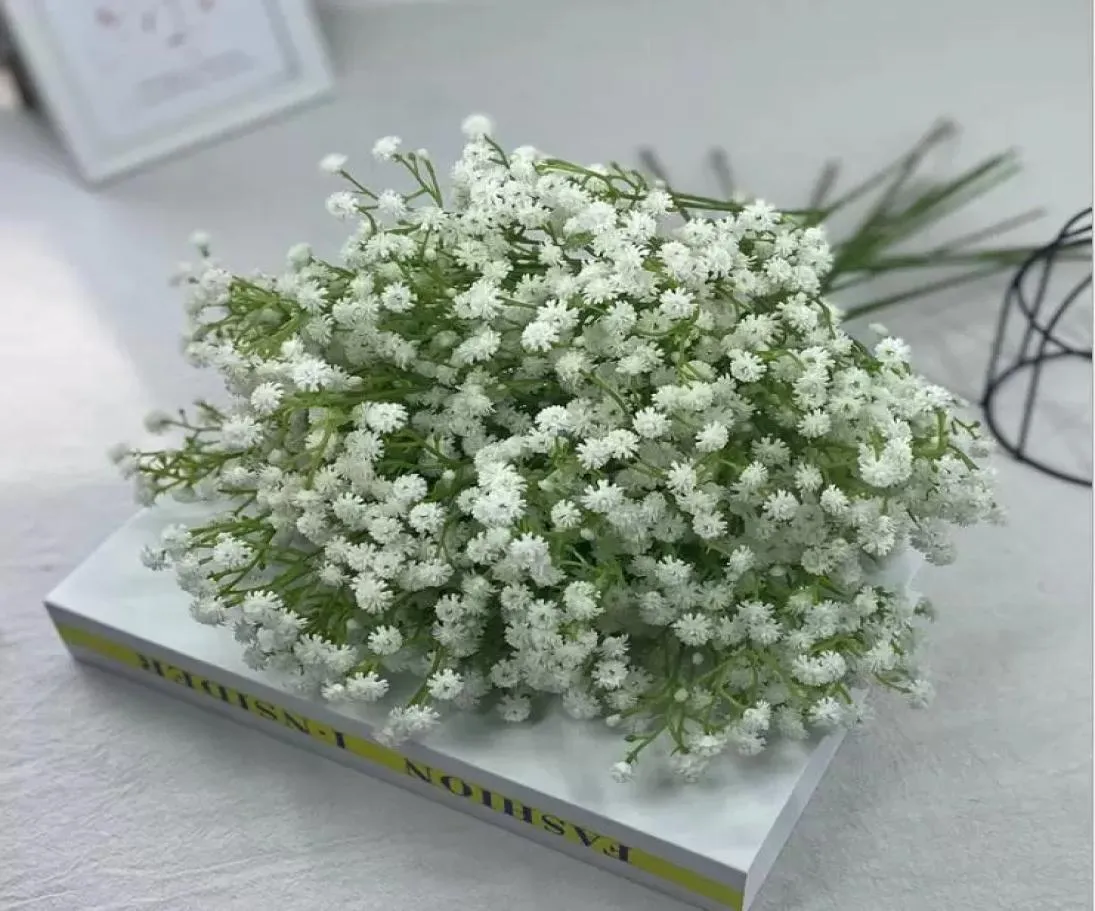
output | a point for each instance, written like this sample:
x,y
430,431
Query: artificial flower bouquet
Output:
x,y
548,433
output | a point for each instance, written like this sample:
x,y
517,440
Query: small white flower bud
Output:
x,y
333,163
476,126
622,772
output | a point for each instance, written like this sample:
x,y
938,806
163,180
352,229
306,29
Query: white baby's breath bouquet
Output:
x,y
555,437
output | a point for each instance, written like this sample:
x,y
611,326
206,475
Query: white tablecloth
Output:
x,y
113,797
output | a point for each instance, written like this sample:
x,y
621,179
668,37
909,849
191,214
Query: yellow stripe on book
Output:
x,y
379,755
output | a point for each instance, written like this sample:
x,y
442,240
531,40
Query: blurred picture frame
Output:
x,y
127,83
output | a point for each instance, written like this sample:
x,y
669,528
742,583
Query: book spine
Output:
x,y
459,791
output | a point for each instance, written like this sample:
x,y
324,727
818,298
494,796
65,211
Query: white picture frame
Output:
x,y
130,82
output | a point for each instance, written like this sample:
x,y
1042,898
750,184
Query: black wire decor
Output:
x,y
1040,314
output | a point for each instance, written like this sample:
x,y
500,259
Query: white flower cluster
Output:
x,y
558,438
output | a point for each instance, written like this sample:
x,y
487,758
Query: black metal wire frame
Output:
x,y
1038,337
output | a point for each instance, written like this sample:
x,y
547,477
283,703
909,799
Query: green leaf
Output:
x,y
881,230
720,164
905,171
920,291
895,219
942,130
993,230
938,201
650,161
939,259
826,180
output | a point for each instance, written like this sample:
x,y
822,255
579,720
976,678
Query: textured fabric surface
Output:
x,y
114,797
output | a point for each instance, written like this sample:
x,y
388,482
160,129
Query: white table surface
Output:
x,y
112,797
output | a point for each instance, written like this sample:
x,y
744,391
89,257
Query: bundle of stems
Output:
x,y
905,206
